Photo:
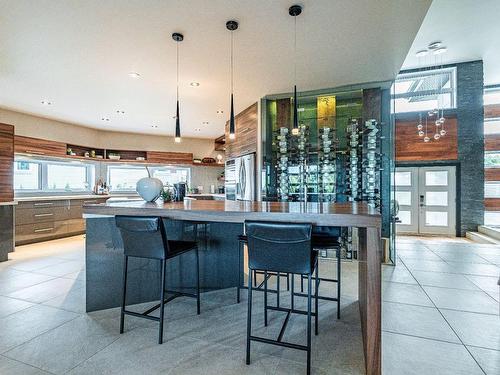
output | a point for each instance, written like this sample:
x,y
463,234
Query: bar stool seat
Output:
x,y
146,237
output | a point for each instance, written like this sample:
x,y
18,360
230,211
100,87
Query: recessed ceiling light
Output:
x,y
104,118
195,84
134,75
434,45
197,129
46,102
439,51
422,53
154,126
205,122
120,112
219,112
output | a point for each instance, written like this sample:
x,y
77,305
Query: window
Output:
x,y
492,189
492,159
124,178
491,96
425,90
32,175
27,175
492,126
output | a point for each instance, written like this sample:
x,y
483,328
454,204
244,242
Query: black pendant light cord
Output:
x,y
294,11
177,38
231,26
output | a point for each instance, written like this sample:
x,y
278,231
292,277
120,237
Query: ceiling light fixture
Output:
x,y
439,51
205,122
104,118
134,75
194,84
434,45
231,26
294,11
422,53
120,112
46,102
177,37
220,112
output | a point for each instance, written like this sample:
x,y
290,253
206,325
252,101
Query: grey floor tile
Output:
x,y
419,321
404,293
11,305
61,269
20,281
464,300
461,257
427,265
474,269
138,352
408,355
31,264
419,255
46,290
287,367
488,359
492,258
397,274
26,324
74,301
60,349
475,329
489,284
444,280
10,367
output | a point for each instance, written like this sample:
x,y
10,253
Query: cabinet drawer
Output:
x,y
40,215
43,204
75,225
29,232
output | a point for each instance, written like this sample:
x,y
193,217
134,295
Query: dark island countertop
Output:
x,y
356,214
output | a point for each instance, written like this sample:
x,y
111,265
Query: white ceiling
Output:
x,y
470,29
77,54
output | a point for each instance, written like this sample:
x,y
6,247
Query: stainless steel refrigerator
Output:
x,y
240,178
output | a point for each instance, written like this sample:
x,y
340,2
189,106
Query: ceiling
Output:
x,y
468,28
77,55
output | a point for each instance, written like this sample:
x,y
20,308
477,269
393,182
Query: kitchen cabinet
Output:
x,y
36,146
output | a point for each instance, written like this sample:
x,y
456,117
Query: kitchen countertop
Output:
x,y
60,197
9,203
333,214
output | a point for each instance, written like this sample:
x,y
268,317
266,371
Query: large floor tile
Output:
x,y
62,348
61,269
475,329
11,367
419,321
444,280
26,324
427,265
20,281
74,301
404,293
464,300
408,355
397,274
31,264
489,284
47,290
463,257
488,359
474,269
418,255
11,305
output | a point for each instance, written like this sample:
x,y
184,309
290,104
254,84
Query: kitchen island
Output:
x,y
216,225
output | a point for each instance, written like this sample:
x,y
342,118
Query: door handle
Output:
x,y
421,200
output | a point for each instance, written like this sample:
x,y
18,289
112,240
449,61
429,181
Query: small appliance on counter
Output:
x,y
180,191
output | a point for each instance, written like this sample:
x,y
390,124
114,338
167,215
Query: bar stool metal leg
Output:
x,y
163,264
309,298
265,298
292,300
316,299
122,314
249,315
198,307
339,275
238,289
278,282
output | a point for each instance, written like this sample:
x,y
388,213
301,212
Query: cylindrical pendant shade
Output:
x,y
231,120
295,109
177,124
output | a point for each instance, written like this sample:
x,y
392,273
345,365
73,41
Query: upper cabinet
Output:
x,y
36,146
6,163
245,141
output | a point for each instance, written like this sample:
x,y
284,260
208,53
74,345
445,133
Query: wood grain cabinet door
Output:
x,y
6,163
35,146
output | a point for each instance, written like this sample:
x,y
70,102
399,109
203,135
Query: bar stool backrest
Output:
x,y
279,247
321,231
143,237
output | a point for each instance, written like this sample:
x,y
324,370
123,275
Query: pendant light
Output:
x,y
177,37
231,26
294,11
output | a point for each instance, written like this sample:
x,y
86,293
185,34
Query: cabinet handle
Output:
x,y
35,152
43,204
43,215
43,230
85,202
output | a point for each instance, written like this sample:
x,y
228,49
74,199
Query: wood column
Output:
x,y
369,290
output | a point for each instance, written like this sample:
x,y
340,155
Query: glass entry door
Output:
x,y
427,200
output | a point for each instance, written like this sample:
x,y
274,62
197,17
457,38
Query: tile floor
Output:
x,y
440,316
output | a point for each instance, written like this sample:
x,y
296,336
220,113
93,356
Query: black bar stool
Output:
x,y
146,237
327,238
284,248
242,240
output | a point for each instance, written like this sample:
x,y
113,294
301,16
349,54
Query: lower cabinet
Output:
x,y
41,221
